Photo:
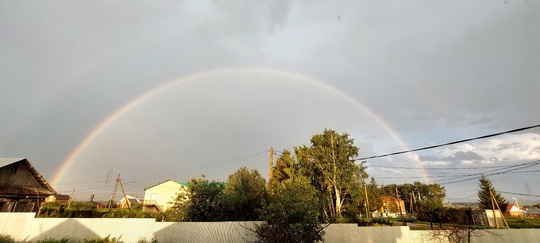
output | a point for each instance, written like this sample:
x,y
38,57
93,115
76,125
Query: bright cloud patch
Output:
x,y
509,148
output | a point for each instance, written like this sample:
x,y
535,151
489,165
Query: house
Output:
x,y
59,198
391,207
22,187
532,213
160,197
127,202
512,210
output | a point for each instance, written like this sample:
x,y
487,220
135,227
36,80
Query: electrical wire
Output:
x,y
141,185
450,143
519,194
488,173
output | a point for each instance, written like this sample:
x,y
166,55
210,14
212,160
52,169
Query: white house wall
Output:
x,y
165,192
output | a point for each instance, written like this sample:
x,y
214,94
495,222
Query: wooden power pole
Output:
x,y
113,196
271,166
118,181
367,201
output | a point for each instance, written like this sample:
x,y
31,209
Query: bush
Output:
x,y
153,240
381,221
292,214
104,240
6,239
52,240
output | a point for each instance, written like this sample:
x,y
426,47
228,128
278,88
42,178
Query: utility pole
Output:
x,y
517,204
271,166
411,203
493,208
367,201
71,198
113,196
118,181
123,192
414,200
400,211
499,208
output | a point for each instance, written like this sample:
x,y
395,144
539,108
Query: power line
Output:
x,y
132,183
450,143
489,173
438,168
519,194
200,168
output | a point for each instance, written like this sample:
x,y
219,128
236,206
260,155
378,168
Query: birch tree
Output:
x,y
330,165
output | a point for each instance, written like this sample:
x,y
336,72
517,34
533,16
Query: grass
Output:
x,y
526,223
513,222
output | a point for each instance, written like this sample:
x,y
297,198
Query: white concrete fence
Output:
x,y
25,227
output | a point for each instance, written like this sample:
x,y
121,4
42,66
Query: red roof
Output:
x,y
510,206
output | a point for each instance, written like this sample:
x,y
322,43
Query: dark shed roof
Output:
x,y
19,178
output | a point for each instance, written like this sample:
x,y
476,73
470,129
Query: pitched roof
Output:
x,y
45,189
62,197
180,183
509,207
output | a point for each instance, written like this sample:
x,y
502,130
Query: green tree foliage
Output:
x,y
243,195
374,195
421,192
430,210
204,200
484,198
178,211
292,214
429,191
283,169
329,163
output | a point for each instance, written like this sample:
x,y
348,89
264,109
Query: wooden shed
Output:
x,y
22,187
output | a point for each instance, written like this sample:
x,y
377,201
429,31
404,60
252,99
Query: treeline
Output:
x,y
332,179
320,183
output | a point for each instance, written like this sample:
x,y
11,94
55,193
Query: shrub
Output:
x,y
104,240
6,239
52,240
153,240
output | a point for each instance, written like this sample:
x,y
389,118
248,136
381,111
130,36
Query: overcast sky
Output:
x,y
158,90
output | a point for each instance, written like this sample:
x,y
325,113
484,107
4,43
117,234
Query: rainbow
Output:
x,y
148,95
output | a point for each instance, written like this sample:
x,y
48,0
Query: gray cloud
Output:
x,y
432,72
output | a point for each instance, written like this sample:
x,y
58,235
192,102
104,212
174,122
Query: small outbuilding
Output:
x,y
22,187
160,197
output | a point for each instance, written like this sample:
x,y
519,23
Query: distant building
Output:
x,y
160,197
390,207
22,187
532,213
513,211
59,198
128,202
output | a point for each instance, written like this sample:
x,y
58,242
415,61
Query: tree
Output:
x,y
178,211
430,210
459,226
330,165
204,200
292,214
484,197
374,195
429,191
283,169
243,195
421,192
